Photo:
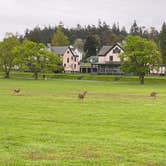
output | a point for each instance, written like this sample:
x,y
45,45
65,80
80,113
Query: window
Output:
x,y
71,58
75,66
116,51
111,58
75,59
68,52
68,60
64,65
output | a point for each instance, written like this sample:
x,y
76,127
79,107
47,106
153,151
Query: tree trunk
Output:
x,y
36,75
141,78
7,74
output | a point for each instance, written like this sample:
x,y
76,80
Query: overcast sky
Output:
x,y
17,15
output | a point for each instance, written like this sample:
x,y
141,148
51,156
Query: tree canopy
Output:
x,y
35,58
91,45
162,43
8,57
59,38
140,56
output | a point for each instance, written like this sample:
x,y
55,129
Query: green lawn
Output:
x,y
117,125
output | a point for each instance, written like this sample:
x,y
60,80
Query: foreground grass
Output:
x,y
118,124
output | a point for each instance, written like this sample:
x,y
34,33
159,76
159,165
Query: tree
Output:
x,y
79,43
140,56
35,58
115,28
154,34
162,42
135,30
59,38
7,55
91,45
123,31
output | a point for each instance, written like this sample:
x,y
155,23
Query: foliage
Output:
x,y
140,56
59,38
8,57
35,58
79,43
162,39
135,29
108,35
91,45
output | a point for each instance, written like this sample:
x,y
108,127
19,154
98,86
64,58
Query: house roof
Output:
x,y
105,49
59,50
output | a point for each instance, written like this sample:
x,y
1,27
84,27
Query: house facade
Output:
x,y
108,60
70,58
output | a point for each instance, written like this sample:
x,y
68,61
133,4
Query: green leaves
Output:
x,y
140,56
35,58
59,38
8,57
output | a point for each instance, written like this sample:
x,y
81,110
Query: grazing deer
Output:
x,y
17,91
81,96
153,94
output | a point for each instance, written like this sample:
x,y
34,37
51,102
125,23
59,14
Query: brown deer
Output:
x,y
153,94
17,91
81,96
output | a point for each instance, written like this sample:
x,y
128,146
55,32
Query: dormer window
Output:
x,y
116,51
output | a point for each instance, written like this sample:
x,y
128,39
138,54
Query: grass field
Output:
x,y
117,125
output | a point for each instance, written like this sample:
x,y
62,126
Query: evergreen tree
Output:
x,y
59,38
91,45
135,30
123,31
162,42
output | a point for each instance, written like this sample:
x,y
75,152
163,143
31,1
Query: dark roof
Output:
x,y
59,50
105,49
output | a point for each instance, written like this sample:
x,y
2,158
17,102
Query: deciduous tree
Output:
x,y
8,57
35,58
140,56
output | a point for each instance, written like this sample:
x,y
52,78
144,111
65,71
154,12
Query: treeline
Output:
x,y
106,34
91,38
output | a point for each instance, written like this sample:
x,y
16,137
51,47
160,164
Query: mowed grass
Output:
x,y
118,124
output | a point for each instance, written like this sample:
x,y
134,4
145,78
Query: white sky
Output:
x,y
17,15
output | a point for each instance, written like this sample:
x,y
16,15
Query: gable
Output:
x,y
116,49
